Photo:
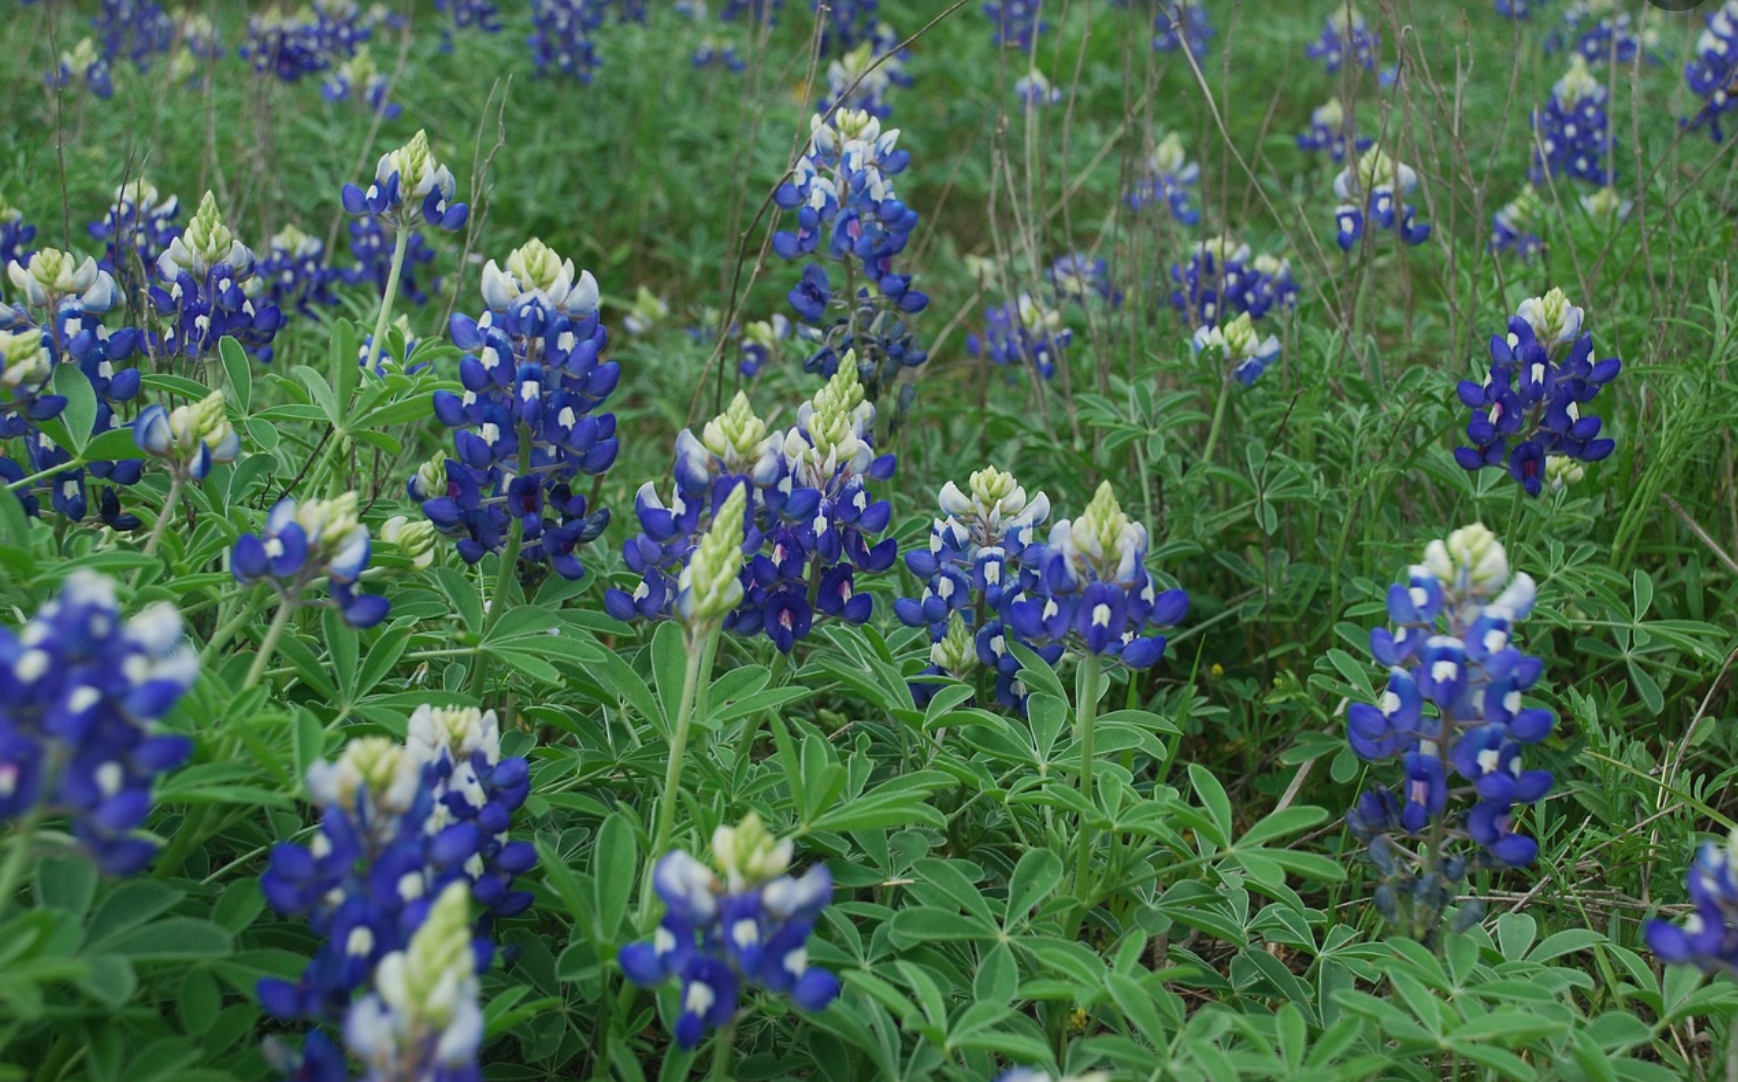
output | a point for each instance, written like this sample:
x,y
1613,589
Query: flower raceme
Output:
x,y
1168,180
80,689
410,188
1708,937
303,543
1712,72
1527,413
199,291
745,925
1515,227
1220,280
1332,129
1239,348
1453,711
1573,134
1345,36
191,439
1372,191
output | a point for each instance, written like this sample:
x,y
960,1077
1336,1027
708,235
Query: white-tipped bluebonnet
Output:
x,y
402,827
974,566
479,15
133,30
646,313
302,544
1373,193
410,187
84,67
1333,129
1168,180
862,78
1182,24
1346,36
561,38
1573,133
1515,226
1238,347
1707,938
1453,708
200,295
1035,89
1220,280
1528,411
15,235
371,242
1712,72
529,426
812,517
722,934
1018,23
1090,590
1083,279
80,691
295,272
291,45
358,79
1600,33
1023,332
136,229
763,342
849,23
190,439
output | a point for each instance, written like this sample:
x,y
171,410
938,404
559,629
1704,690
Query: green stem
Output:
x,y
1218,421
226,631
269,645
1732,1051
1086,715
698,669
751,724
163,516
387,299
723,1044
504,573
17,855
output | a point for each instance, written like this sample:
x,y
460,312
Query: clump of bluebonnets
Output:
x,y
561,38
1083,279
1346,37
849,23
1527,414
80,692
1221,280
199,292
1707,938
360,80
1018,22
1572,133
1712,71
863,77
1168,180
971,568
82,66
291,45
1025,332
1454,720
401,825
1598,32
1515,226
15,235
1332,128
1373,191
295,272
410,188
848,213
134,30
724,933
529,423
136,229
1238,348
306,542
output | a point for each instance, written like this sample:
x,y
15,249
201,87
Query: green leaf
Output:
x,y
1213,798
615,864
462,592
239,370
81,405
115,445
998,976
927,924
1034,878
173,939
66,882
110,981
669,669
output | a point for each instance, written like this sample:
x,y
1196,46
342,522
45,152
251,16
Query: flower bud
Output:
x,y
957,652
748,855
425,981
430,481
1330,114
414,540
205,243
25,362
710,586
1578,84
1169,157
1102,528
735,435
373,767
1562,471
1553,319
1471,563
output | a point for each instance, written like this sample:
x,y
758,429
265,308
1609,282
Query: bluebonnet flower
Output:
x,y
386,362
1018,25
1515,227
200,291
747,926
295,273
851,22
842,190
1090,590
410,188
1606,206
1023,332
301,544
711,51
484,15
763,343
560,39
199,47
1598,32
191,438
136,229
401,827
972,568
371,243
647,311
1712,74
1518,9
1168,180
1708,936
1346,36
1573,133
1453,708
1182,24
358,79
858,69
812,518
528,422
1373,190
1220,280
1238,347
293,45
134,30
757,12
627,11
1081,278
15,235
1332,129
57,319
1033,88
83,66
1528,412
80,690
422,1020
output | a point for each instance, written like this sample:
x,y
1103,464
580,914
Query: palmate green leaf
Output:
x,y
238,369
172,939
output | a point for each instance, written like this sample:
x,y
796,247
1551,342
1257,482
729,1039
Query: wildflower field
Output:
x,y
868,540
